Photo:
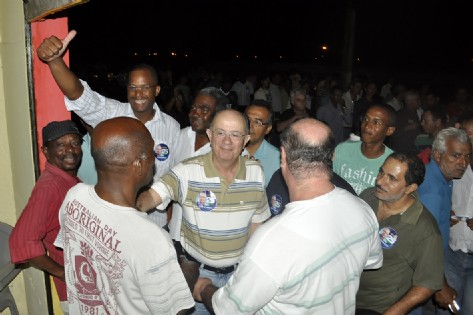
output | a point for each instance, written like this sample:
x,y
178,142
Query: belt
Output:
x,y
220,270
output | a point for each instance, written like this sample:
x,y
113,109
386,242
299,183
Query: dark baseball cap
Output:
x,y
57,129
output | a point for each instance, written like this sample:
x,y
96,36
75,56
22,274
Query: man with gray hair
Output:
x,y
335,232
451,154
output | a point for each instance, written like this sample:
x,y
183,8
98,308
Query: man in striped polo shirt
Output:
x,y
223,199
308,260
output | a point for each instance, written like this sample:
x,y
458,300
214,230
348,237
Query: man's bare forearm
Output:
x,y
148,200
413,297
190,269
45,263
66,80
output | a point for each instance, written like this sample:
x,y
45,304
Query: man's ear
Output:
x,y
45,151
157,90
247,138
390,131
436,155
268,130
411,188
283,156
138,167
209,134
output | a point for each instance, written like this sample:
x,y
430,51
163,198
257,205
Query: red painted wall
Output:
x,y
49,100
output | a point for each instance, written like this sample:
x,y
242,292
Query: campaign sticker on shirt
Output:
x,y
388,237
206,200
276,204
161,152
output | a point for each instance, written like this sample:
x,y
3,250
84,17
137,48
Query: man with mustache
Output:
x,y
33,236
451,154
142,89
412,245
358,162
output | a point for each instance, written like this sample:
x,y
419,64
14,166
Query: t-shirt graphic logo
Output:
x,y
86,283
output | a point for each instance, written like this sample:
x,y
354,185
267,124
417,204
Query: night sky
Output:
x,y
433,37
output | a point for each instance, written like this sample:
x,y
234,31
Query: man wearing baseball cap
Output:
x,y
33,236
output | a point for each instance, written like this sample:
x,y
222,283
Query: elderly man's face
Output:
x,y
454,161
227,136
64,152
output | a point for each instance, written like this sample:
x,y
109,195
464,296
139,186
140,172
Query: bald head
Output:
x,y
311,131
118,142
231,115
308,146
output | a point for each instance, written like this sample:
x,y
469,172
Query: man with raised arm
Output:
x,y
142,90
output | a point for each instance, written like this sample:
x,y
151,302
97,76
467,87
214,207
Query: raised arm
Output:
x,y
51,52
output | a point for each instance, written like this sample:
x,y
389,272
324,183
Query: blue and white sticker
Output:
x,y
161,152
388,237
276,204
206,200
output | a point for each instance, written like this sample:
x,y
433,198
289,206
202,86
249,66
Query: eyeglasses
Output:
x,y
204,109
258,122
144,88
222,134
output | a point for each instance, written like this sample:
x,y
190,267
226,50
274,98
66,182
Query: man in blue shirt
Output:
x,y
259,114
451,153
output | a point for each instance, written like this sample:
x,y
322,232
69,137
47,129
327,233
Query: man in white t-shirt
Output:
x,y
309,259
116,260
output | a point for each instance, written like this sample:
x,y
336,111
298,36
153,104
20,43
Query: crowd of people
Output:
x,y
268,194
